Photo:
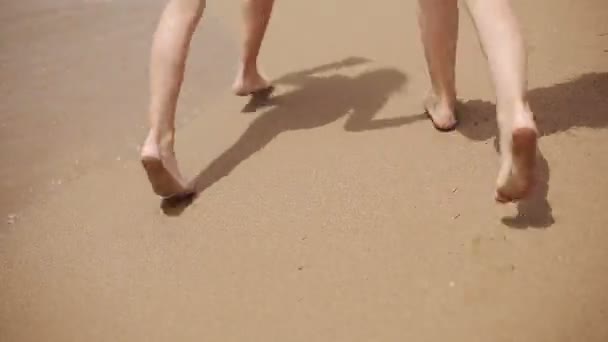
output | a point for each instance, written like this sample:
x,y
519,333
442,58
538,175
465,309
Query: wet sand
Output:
x,y
333,213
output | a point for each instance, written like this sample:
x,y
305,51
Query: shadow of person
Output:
x,y
580,102
316,101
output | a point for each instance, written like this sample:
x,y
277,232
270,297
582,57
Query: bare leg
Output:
x,y
256,15
503,45
438,21
169,52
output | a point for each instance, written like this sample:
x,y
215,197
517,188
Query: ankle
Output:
x,y
516,115
164,138
249,69
443,102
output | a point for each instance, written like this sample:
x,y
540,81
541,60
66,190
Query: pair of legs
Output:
x,y
168,59
499,35
504,48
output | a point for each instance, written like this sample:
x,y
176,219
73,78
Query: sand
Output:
x,y
334,213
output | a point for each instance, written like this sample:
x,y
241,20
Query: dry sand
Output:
x,y
336,214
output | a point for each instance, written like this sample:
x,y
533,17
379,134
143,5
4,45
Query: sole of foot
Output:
x,y
519,181
250,83
265,90
163,182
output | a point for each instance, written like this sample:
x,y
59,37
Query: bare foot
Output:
x,y
250,83
516,178
161,167
441,113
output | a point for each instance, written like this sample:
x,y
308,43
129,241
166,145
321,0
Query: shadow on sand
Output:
x,y
320,100
317,100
